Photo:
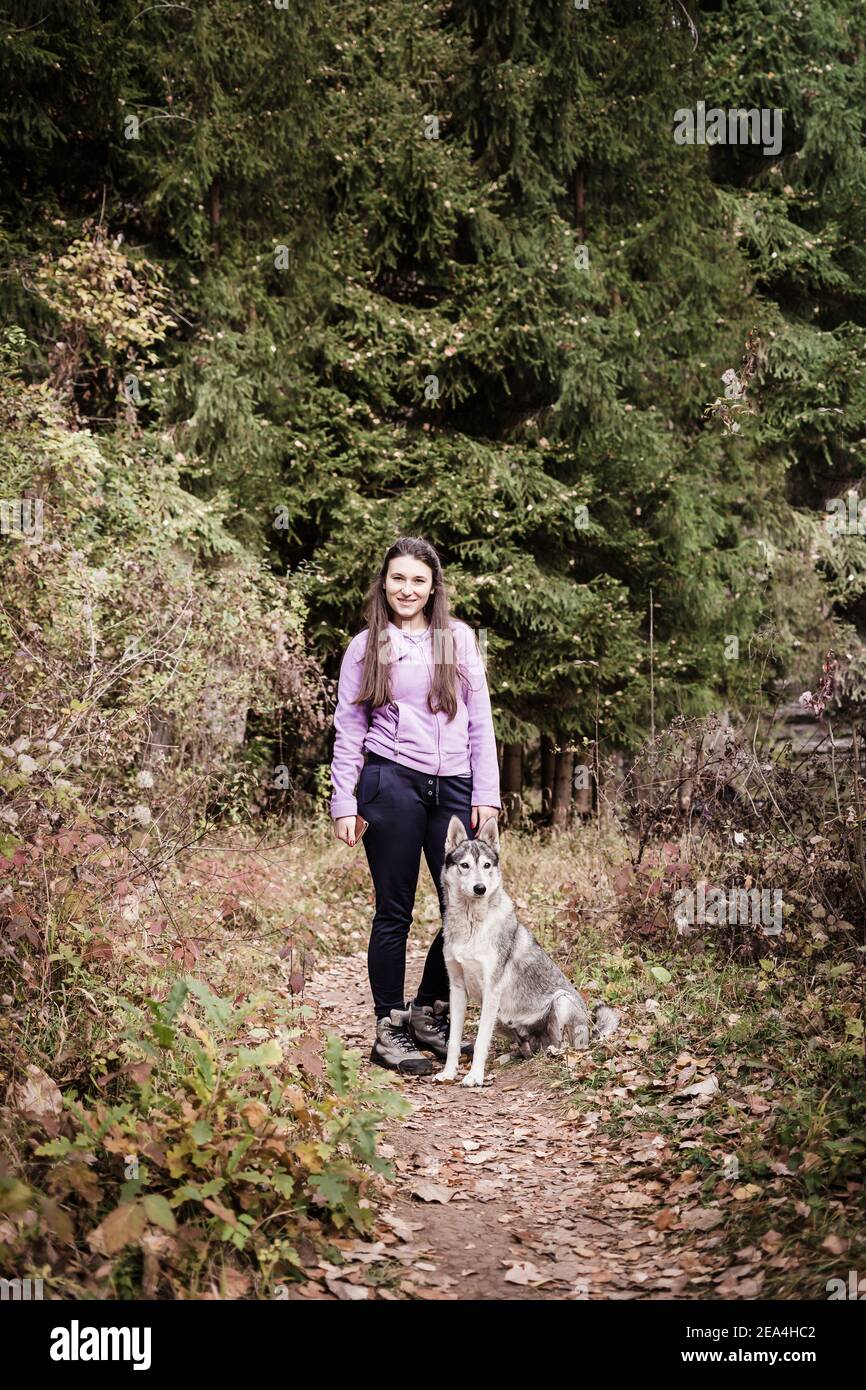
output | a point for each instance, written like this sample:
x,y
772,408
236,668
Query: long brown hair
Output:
x,y
376,677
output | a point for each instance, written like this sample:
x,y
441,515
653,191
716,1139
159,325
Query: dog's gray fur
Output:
x,y
492,959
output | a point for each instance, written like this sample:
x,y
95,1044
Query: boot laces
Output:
x,y
442,1024
401,1037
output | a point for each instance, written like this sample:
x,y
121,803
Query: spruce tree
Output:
x,y
799,223
524,329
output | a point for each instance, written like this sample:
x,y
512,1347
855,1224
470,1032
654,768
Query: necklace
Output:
x,y
419,638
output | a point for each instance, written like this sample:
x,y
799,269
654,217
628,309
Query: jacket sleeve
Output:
x,y
482,740
351,723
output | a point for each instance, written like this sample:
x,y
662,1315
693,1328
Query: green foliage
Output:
x,y
535,414
384,270
448,273
797,221
216,1134
181,626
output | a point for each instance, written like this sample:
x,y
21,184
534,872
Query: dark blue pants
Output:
x,y
408,811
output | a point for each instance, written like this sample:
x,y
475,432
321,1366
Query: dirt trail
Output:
x,y
499,1193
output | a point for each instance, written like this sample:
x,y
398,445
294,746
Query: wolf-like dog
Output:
x,y
492,959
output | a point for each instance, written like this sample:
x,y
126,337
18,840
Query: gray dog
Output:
x,y
494,960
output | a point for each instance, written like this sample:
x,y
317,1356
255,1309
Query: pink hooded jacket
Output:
x,y
405,729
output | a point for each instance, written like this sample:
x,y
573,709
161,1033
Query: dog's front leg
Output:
x,y
457,1015
489,1015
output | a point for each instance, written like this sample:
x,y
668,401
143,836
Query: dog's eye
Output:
x,y
486,866
465,864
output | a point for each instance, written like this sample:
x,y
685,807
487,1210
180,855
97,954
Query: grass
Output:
x,y
777,1149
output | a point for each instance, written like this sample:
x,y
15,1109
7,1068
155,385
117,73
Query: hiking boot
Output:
x,y
430,1026
395,1047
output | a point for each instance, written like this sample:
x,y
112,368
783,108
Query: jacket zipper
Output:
x,y
436,723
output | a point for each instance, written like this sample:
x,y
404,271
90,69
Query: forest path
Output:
x,y
501,1193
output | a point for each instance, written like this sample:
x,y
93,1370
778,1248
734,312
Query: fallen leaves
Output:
x,y
122,1227
630,1201
431,1191
402,1229
745,1192
704,1090
701,1218
37,1098
347,1292
837,1245
504,1188
524,1272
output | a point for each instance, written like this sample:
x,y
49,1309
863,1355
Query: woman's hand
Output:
x,y
344,829
482,813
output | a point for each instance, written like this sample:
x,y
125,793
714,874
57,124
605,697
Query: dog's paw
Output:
x,y
472,1080
445,1076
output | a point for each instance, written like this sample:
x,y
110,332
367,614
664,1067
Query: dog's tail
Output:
x,y
605,1021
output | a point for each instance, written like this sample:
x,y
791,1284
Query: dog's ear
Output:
x,y
489,832
456,834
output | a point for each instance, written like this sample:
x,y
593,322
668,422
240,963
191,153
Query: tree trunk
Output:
x,y
581,781
160,739
562,775
579,202
215,215
548,760
512,779
612,775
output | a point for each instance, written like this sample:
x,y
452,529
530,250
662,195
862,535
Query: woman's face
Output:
x,y
408,585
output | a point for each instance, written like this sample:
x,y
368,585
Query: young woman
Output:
x,y
413,696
